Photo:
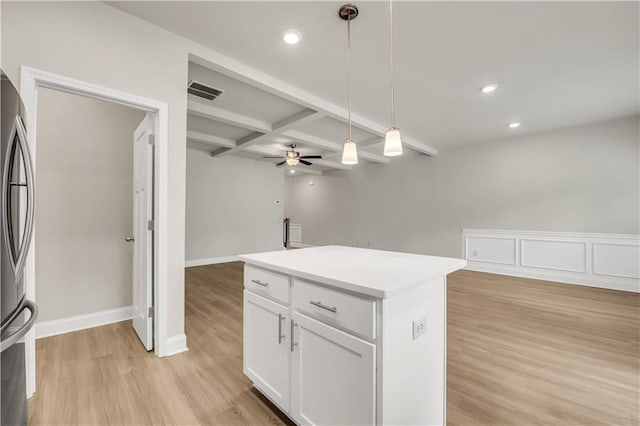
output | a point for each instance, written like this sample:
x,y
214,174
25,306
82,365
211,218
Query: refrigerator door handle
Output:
x,y
31,199
18,142
19,333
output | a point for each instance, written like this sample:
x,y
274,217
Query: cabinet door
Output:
x,y
267,348
333,376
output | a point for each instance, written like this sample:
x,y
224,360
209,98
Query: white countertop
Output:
x,y
375,273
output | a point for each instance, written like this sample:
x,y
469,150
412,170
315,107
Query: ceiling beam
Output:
x,y
231,68
313,140
265,151
331,164
211,112
371,142
200,146
210,139
332,146
298,119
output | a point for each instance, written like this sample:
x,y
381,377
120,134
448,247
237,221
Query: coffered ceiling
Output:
x,y
557,64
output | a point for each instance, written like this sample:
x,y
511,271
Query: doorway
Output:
x,y
155,131
94,259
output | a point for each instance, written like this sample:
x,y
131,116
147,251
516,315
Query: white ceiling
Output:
x,y
203,125
558,64
242,98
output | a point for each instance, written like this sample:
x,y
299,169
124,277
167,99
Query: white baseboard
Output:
x,y
177,344
610,261
608,283
210,261
81,322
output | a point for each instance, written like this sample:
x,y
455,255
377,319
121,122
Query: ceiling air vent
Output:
x,y
203,91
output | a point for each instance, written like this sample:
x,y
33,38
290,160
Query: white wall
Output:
x,y
93,42
582,179
234,206
84,172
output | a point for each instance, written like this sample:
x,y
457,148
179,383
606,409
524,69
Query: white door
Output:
x,y
143,231
267,347
333,373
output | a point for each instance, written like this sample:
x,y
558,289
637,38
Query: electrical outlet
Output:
x,y
475,253
419,327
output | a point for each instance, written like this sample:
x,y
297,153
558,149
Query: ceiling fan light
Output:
x,y
392,143
293,161
350,152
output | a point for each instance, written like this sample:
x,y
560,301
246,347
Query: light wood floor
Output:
x,y
520,352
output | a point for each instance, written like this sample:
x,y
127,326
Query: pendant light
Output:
x,y
392,139
348,12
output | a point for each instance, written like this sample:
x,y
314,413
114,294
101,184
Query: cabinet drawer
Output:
x,y
335,307
267,283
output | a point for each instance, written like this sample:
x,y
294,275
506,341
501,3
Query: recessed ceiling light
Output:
x,y
291,37
514,125
489,88
292,171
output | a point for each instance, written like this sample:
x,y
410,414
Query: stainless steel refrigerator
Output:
x,y
17,313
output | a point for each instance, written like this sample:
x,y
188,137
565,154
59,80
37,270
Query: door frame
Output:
x,y
30,81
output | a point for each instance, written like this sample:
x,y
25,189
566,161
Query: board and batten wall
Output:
x,y
582,179
84,172
234,206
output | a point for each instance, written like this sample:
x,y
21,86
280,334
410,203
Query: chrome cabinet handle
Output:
x,y
129,239
328,308
280,335
260,283
293,344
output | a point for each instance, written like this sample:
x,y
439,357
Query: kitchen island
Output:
x,y
343,336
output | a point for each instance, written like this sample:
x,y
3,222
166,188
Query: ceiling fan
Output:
x,y
293,157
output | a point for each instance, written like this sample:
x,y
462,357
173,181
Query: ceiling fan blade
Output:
x,y
311,156
273,157
281,163
306,163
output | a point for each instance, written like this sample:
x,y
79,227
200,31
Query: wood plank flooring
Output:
x,y
533,352
520,352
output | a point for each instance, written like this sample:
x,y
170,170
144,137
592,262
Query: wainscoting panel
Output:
x,y
616,260
492,249
598,260
568,256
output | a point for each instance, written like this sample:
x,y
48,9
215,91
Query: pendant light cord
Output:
x,y
349,73
393,86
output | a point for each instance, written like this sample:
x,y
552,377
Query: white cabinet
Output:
x,y
266,283
352,313
267,347
329,334
333,376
